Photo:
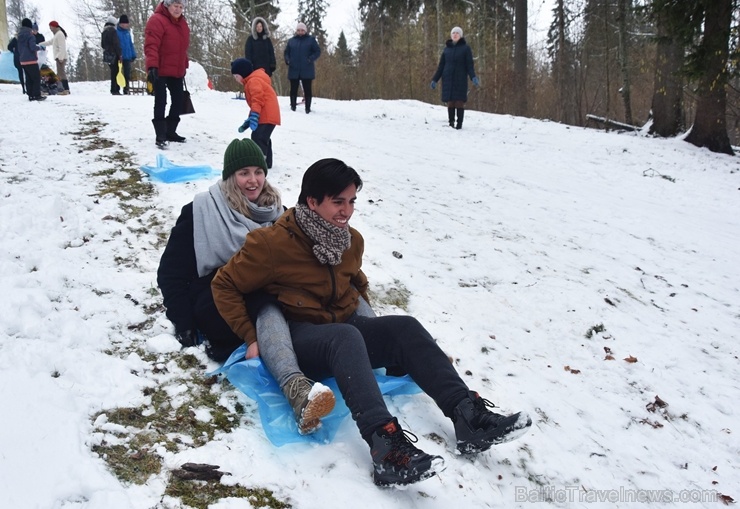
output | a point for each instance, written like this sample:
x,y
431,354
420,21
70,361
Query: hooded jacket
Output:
x,y
27,47
261,97
128,52
109,41
280,260
455,66
259,49
166,42
300,54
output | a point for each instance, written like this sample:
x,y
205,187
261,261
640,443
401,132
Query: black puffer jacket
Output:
x,y
455,66
259,49
189,299
109,41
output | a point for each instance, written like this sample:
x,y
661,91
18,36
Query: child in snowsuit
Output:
x,y
264,110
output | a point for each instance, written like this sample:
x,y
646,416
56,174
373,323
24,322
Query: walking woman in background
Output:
x,y
166,41
59,45
455,65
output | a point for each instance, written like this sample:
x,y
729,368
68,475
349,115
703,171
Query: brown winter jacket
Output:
x,y
261,97
280,260
166,42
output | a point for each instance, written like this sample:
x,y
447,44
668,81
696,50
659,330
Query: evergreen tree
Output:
x,y
89,65
343,53
560,49
312,12
704,26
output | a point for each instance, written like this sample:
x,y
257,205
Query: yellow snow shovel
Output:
x,y
120,78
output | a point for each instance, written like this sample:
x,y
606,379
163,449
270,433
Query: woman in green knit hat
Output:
x,y
208,232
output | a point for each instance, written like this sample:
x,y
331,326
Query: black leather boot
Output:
x,y
171,130
460,116
160,129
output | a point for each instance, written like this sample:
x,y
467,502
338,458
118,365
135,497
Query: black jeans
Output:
x,y
307,92
33,80
261,136
350,351
175,86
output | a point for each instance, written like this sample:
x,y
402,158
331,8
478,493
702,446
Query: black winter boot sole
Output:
x,y
396,461
507,429
436,465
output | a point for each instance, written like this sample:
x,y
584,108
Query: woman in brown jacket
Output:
x,y
311,261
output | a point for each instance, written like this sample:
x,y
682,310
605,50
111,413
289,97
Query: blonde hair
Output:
x,y
237,201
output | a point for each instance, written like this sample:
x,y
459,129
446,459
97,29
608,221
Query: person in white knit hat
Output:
x,y
455,66
300,54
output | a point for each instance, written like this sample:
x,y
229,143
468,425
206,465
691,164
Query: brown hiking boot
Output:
x,y
310,402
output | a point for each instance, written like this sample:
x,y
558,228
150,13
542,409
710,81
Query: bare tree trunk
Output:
x,y
520,57
710,125
624,59
667,104
440,39
4,36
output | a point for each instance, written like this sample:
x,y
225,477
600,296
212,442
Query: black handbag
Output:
x,y
187,102
109,57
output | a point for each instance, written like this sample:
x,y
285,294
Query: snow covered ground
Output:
x,y
589,278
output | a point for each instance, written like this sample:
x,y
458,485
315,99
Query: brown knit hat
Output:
x,y
240,154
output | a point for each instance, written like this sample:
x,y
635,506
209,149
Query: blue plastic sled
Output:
x,y
8,72
253,379
169,173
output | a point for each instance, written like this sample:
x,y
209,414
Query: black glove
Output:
x,y
187,337
153,74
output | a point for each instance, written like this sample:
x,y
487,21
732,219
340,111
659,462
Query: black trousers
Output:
x,y
350,351
175,86
127,74
307,92
261,136
222,340
21,78
114,88
33,80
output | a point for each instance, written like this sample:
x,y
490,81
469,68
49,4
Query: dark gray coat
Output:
x,y
300,54
455,66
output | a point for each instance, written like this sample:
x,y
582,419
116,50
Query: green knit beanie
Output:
x,y
240,154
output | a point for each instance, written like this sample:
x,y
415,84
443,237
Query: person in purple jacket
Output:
x,y
28,56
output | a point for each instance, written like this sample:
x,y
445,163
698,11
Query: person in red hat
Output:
x,y
59,45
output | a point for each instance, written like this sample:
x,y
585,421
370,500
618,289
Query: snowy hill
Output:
x,y
589,278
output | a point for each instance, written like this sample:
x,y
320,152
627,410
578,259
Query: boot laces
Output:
x,y
403,447
297,386
482,412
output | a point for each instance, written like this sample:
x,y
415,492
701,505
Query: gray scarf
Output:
x,y
330,241
219,231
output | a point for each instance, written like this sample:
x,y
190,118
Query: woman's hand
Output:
x,y
253,350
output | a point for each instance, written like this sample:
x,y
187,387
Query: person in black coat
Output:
x,y
13,47
455,65
112,53
300,54
259,49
